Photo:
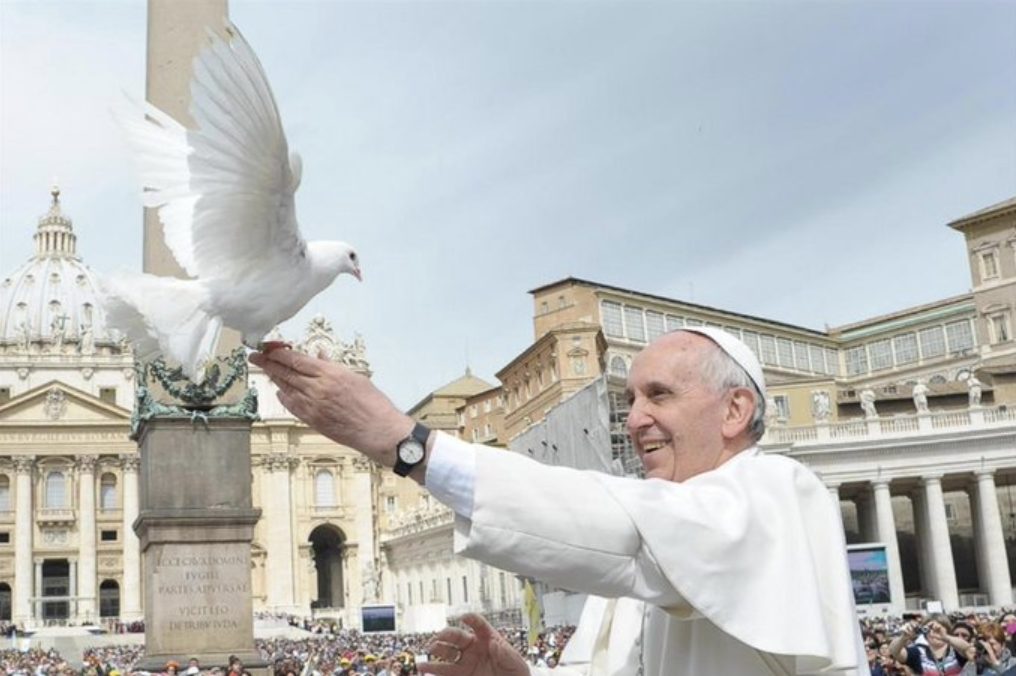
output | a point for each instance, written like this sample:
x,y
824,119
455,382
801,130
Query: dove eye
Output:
x,y
352,256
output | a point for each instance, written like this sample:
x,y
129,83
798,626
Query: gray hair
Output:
x,y
720,372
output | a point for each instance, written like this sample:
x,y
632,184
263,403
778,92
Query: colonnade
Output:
x,y
877,523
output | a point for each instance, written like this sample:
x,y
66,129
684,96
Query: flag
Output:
x,y
531,608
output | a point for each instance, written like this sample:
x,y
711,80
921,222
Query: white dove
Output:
x,y
224,192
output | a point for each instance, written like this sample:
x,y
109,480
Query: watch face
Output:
x,y
410,451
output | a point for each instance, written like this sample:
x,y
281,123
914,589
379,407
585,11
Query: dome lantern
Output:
x,y
55,236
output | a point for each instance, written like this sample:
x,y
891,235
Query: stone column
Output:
x,y
867,520
277,501
945,587
130,603
72,605
86,538
993,563
926,563
886,524
23,588
362,497
37,612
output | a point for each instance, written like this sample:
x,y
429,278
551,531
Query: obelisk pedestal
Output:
x,y
196,525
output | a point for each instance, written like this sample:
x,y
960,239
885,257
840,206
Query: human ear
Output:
x,y
740,409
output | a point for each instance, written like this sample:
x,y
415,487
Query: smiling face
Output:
x,y
680,424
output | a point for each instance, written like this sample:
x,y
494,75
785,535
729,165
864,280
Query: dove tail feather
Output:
x,y
163,315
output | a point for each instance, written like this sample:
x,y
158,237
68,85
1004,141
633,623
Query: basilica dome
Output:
x,y
53,298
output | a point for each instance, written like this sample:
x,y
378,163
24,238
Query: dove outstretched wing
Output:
x,y
225,189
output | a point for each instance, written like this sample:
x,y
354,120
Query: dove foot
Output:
x,y
269,345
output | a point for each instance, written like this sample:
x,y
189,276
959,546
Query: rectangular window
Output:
x,y
989,265
817,359
612,325
905,347
5,537
674,323
448,585
881,355
633,324
107,535
5,395
768,344
857,361
832,360
108,394
654,324
694,322
486,403
782,406
733,330
801,356
959,335
932,342
409,592
465,589
390,504
750,339
1000,328
785,351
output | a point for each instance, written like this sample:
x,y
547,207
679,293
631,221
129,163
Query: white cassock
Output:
x,y
738,571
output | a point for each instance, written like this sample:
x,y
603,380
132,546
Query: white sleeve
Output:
x,y
451,473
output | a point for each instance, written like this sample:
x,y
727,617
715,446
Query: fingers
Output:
x,y
441,668
481,628
291,359
446,652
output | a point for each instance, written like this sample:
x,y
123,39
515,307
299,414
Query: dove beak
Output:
x,y
357,273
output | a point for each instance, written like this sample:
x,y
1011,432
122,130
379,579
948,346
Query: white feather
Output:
x,y
225,195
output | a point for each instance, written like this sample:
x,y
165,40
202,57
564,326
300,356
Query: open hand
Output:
x,y
478,650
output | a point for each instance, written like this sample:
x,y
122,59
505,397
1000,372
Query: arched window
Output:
x,y
618,367
56,490
107,491
324,488
109,599
5,493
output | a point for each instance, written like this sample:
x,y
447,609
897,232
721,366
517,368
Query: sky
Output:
x,y
794,161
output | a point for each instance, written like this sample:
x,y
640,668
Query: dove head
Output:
x,y
330,259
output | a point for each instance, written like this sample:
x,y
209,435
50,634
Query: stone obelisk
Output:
x,y
196,517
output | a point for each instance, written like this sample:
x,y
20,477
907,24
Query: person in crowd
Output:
x,y
929,649
688,570
993,654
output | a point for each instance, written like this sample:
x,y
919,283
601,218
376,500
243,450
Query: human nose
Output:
x,y
637,418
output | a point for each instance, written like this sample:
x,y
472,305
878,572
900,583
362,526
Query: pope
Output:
x,y
723,560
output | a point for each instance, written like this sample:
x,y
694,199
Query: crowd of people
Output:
x,y
913,644
330,651
942,645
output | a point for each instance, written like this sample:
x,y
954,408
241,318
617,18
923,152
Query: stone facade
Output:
x,y
69,472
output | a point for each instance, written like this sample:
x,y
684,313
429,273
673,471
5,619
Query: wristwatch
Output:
x,y
410,451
